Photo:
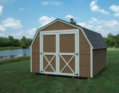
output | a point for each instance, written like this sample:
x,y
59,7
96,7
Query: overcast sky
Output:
x,y
23,17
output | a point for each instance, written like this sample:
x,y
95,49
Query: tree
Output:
x,y
16,42
29,42
13,42
117,41
111,40
24,42
72,21
4,42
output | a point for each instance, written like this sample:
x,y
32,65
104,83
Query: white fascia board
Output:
x,y
30,59
91,63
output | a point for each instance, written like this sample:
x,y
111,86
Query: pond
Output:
x,y
9,54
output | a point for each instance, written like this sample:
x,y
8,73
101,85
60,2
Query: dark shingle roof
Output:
x,y
95,39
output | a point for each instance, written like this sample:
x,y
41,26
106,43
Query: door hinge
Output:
x,y
41,53
76,53
76,74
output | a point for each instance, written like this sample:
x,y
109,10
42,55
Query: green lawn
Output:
x,y
16,78
9,48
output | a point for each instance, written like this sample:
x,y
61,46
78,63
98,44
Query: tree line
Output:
x,y
112,41
10,41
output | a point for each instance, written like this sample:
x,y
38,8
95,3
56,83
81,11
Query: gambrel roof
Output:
x,y
95,39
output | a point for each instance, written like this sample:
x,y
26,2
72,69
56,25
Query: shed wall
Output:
x,y
99,60
84,56
84,50
35,55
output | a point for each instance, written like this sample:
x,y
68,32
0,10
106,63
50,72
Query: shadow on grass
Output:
x,y
64,76
101,72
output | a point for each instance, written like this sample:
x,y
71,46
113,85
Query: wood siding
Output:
x,y
99,60
49,43
35,55
84,56
58,26
67,43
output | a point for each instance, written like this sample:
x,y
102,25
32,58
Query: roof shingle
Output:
x,y
95,39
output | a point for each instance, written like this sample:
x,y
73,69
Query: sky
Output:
x,y
24,17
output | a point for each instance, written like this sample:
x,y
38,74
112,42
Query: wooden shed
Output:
x,y
61,48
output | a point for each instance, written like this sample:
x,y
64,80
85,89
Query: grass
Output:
x,y
14,59
16,78
113,49
9,48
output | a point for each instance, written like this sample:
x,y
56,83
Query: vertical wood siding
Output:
x,y
49,43
67,43
35,55
84,56
58,26
99,60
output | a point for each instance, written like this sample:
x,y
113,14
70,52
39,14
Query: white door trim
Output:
x,y
41,51
57,54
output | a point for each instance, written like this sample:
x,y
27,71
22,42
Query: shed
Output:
x,y
61,48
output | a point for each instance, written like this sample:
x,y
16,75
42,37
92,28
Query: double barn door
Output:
x,y
59,52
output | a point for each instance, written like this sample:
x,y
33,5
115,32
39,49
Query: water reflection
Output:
x,y
10,54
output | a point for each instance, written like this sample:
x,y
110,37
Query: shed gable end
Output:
x,y
58,25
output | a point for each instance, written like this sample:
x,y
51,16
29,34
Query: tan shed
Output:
x,y
61,48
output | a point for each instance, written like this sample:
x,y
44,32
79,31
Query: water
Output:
x,y
9,54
